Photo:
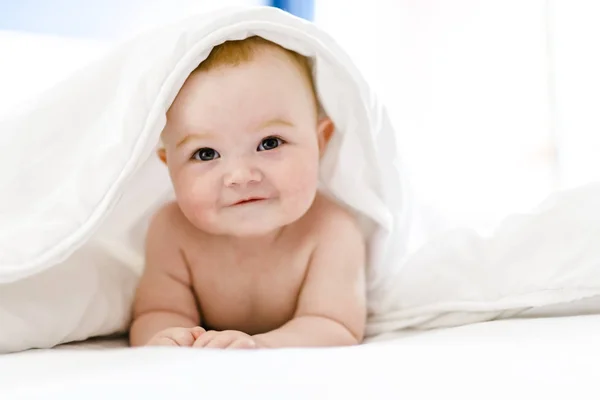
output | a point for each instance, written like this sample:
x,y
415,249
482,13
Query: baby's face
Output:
x,y
242,146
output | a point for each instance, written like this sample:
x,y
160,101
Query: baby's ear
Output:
x,y
325,129
162,154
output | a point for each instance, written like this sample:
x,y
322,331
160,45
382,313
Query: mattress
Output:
x,y
537,358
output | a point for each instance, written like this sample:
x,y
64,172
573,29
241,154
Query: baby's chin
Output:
x,y
248,225
245,228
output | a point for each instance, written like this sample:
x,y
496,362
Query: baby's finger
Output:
x,y
220,341
205,338
242,343
197,331
183,337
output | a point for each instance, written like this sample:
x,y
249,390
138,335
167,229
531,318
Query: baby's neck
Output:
x,y
253,245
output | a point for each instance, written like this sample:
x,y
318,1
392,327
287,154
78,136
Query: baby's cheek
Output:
x,y
300,181
196,199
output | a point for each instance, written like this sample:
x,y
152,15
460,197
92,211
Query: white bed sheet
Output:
x,y
512,359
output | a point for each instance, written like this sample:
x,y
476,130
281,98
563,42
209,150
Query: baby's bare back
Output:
x,y
246,285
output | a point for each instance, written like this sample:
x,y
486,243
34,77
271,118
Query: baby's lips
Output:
x,y
249,200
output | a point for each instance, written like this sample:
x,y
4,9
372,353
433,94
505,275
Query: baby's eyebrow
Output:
x,y
263,125
190,136
274,121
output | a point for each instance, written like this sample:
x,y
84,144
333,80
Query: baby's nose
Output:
x,y
242,175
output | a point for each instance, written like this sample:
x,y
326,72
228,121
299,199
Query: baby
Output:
x,y
250,255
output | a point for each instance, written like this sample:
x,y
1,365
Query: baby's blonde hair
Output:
x,y
236,52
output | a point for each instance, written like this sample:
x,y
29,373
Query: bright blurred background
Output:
x,y
496,103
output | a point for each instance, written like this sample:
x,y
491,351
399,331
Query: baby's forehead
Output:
x,y
229,122
207,99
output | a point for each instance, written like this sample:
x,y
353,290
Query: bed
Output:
x,y
541,358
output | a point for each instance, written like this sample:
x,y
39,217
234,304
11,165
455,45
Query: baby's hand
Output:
x,y
184,337
226,340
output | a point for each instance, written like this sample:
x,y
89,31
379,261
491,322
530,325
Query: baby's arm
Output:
x,y
164,297
331,309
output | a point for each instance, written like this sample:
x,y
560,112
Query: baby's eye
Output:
x,y
205,154
269,143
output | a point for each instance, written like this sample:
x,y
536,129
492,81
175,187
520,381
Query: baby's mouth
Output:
x,y
249,200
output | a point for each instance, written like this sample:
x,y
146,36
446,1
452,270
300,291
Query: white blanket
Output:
x,y
544,263
79,181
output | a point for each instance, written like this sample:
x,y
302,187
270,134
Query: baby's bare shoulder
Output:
x,y
165,240
332,221
167,223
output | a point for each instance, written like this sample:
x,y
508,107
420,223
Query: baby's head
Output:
x,y
243,139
